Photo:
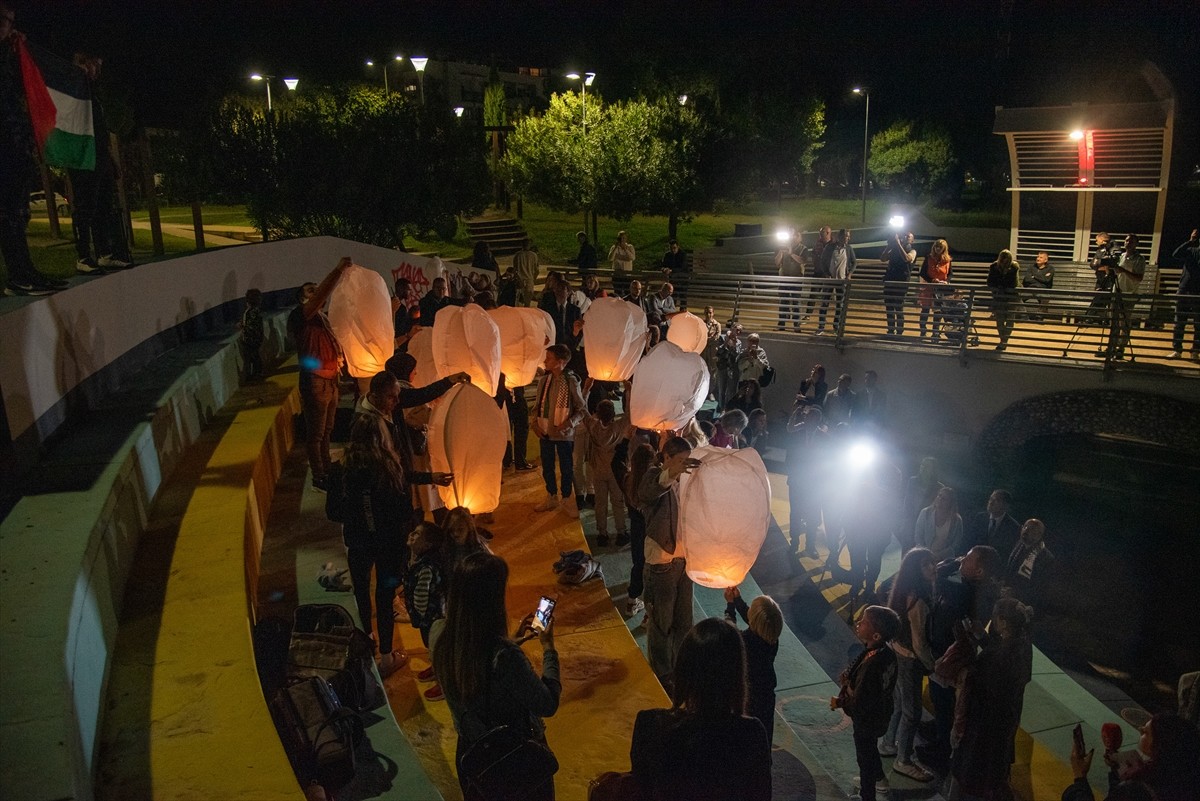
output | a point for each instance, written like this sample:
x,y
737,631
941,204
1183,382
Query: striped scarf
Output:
x,y
554,399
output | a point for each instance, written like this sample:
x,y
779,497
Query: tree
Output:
x,y
354,163
916,160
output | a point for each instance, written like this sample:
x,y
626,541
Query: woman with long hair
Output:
x,y
704,746
911,600
641,457
487,679
935,274
748,398
1002,280
1171,745
939,526
379,516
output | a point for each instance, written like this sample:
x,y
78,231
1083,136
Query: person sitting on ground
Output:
x,y
910,599
988,711
425,590
704,746
752,362
765,619
729,430
939,526
813,389
605,432
1031,564
487,679
668,590
867,687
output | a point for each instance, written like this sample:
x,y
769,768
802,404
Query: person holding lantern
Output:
x,y
668,590
320,359
559,409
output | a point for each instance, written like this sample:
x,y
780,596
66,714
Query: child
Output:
x,y
762,646
866,696
251,337
424,590
463,537
605,432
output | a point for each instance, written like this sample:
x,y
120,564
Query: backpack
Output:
x,y
317,732
326,644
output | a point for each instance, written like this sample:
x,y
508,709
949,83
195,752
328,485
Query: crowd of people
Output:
x,y
959,612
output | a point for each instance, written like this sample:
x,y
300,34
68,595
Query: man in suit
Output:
x,y
1030,565
568,319
995,527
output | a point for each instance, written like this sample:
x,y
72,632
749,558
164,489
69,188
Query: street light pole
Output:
x,y
267,80
858,90
419,63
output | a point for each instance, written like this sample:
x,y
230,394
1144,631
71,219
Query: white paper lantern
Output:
x,y
669,387
725,508
525,333
467,436
467,340
420,347
360,315
688,332
614,336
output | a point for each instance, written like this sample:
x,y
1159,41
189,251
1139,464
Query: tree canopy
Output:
x,y
916,160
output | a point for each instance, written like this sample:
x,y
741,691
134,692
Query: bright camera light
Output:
x,y
783,235
1076,135
896,222
862,454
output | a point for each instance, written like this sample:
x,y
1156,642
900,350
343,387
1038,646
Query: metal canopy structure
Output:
x,y
1083,168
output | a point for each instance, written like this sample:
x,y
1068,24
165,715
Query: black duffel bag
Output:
x,y
318,733
326,643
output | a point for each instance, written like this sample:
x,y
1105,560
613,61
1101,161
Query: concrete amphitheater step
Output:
x,y
504,234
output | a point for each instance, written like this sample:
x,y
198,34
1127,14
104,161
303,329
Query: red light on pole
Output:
x,y
1087,157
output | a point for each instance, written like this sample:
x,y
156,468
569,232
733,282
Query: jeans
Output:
x,y
907,714
806,508
388,564
1187,307
319,400
609,489
637,550
822,296
870,765
564,450
1122,322
789,307
893,302
668,598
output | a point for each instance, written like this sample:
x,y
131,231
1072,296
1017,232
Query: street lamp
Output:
x,y
291,83
859,90
587,79
419,63
267,80
458,111
384,64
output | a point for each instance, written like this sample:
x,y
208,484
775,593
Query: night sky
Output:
x,y
951,62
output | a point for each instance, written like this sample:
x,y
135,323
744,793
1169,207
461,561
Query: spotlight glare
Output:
x,y
783,235
862,454
1076,135
896,222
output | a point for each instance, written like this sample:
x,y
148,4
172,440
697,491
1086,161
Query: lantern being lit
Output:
x,y
360,315
688,332
467,340
669,387
524,335
725,508
420,347
467,436
614,336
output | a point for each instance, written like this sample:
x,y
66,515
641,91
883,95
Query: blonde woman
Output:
x,y
935,275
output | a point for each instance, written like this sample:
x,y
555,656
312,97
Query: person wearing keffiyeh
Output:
x,y
558,410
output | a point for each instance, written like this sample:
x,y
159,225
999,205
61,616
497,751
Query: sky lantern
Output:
x,y
360,315
467,436
725,508
688,332
420,347
669,387
525,333
614,336
467,340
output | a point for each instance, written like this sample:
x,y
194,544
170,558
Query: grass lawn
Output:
x,y
213,215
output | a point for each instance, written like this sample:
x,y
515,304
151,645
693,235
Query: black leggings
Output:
x,y
388,564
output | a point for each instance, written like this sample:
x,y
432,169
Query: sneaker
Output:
x,y
634,606
888,749
548,505
820,332
88,266
113,263
392,662
571,507
912,771
426,675
1176,354
33,287
434,693
524,466
881,785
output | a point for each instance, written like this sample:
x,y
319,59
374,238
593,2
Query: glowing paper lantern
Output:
x,y
467,436
467,340
725,508
360,315
614,336
669,387
525,333
420,347
688,332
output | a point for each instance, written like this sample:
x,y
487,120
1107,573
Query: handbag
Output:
x,y
767,378
326,643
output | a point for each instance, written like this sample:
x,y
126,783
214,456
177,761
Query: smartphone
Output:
x,y
1078,735
544,614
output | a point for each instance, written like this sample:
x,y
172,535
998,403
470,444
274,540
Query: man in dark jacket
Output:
x,y
1187,300
899,256
586,259
995,527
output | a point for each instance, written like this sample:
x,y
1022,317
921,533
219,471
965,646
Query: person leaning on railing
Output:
x,y
1002,281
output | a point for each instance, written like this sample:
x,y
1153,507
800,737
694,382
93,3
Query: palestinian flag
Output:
x,y
60,106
